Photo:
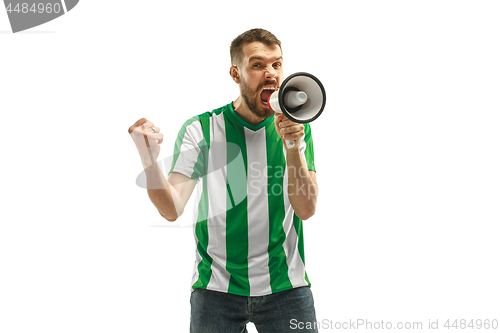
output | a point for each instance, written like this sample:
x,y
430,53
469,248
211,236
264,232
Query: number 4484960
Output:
x,y
34,8
466,324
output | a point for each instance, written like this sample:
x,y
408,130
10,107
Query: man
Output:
x,y
253,194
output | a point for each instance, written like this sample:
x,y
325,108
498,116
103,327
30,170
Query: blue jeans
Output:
x,y
217,312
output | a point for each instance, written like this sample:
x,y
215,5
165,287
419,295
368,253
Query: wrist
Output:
x,y
148,164
154,177
294,149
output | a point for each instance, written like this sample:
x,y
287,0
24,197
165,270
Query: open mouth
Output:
x,y
266,92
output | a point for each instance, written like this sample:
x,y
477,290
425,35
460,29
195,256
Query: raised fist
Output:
x,y
147,139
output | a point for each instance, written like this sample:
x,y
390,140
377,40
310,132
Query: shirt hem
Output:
x,y
255,295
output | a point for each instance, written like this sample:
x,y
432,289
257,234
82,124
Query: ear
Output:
x,y
233,71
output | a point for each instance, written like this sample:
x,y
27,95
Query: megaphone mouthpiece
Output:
x,y
294,99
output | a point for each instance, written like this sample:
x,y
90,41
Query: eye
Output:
x,y
277,65
257,65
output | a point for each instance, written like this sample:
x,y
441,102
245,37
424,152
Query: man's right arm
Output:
x,y
169,197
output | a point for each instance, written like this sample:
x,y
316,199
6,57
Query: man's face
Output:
x,y
260,73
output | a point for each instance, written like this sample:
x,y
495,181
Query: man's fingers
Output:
x,y
158,137
144,131
292,128
145,135
289,130
138,123
286,123
293,136
152,137
146,124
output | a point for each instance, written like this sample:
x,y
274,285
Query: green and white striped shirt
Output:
x,y
248,239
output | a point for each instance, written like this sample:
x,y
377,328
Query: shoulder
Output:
x,y
204,117
198,127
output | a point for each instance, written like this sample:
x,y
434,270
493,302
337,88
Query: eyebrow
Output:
x,y
262,59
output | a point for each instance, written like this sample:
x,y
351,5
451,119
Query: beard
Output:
x,y
253,101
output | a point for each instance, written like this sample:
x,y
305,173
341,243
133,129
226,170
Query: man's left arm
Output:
x,y
302,184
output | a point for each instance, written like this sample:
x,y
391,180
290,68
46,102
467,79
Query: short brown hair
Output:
x,y
253,35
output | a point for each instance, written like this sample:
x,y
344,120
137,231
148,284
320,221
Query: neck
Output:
x,y
242,110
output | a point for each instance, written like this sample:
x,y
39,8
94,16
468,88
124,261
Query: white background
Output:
x,y
407,156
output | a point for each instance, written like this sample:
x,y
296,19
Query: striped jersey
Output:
x,y
248,239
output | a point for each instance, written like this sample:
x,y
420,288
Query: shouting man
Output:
x,y
253,194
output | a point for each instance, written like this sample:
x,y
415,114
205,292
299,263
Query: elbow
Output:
x,y
307,207
306,213
305,210
169,218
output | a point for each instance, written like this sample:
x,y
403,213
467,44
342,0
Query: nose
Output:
x,y
270,72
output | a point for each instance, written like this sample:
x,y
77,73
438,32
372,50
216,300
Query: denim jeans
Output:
x,y
217,312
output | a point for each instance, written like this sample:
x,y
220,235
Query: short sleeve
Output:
x,y
307,148
189,149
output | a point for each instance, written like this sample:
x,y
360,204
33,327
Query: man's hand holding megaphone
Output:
x,y
288,130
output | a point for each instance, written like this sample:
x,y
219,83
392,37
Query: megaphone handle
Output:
x,y
290,143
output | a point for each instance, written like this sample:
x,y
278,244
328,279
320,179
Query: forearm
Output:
x,y
162,194
302,185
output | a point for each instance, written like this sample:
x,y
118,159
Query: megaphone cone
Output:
x,y
301,98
